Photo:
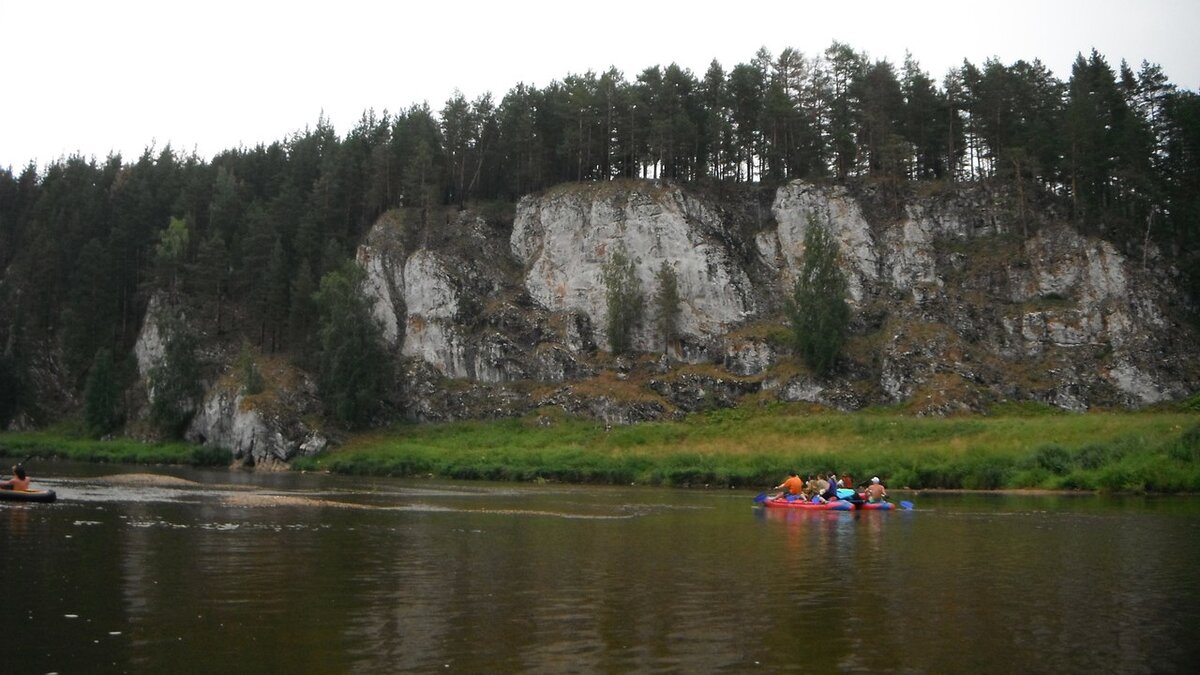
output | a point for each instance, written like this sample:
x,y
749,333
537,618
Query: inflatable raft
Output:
x,y
27,496
785,503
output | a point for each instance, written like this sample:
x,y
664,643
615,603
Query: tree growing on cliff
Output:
x,y
626,301
354,367
817,311
666,305
175,381
101,395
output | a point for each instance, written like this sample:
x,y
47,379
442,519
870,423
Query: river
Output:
x,y
214,571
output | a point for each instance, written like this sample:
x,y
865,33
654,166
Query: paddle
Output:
x,y
760,498
907,506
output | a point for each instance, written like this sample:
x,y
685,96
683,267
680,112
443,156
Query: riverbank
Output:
x,y
749,448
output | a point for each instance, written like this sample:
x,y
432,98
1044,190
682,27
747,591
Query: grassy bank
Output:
x,y
754,448
16,446
1155,452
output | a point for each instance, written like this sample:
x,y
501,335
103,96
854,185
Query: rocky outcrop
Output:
x,y
265,431
957,303
565,238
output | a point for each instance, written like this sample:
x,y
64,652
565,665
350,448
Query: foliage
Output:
x,y
59,445
625,301
243,237
101,395
752,448
175,381
11,389
251,376
818,312
667,304
354,367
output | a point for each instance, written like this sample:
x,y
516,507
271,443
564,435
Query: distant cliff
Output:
x,y
960,301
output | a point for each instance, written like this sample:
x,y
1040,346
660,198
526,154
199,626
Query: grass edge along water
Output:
x,y
1156,451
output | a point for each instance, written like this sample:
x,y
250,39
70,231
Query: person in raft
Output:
x,y
793,485
831,493
19,480
818,487
875,491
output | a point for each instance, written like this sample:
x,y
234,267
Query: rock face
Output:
x,y
565,238
265,430
958,302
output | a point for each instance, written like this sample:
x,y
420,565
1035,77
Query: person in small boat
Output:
x,y
876,492
792,486
830,493
818,487
19,480
846,481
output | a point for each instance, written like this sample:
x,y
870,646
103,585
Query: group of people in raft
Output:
x,y
822,488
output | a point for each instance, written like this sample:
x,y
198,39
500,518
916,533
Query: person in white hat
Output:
x,y
876,492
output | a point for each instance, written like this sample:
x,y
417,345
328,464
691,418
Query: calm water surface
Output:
x,y
197,571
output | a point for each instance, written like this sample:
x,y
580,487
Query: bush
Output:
x,y
211,456
1187,448
1053,458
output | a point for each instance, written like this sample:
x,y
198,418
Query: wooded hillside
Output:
x,y
245,237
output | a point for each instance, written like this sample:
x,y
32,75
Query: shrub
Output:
x,y
1053,458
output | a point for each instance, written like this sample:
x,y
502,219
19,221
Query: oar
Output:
x,y
760,498
907,506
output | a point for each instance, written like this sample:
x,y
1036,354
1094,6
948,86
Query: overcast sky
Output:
x,y
101,76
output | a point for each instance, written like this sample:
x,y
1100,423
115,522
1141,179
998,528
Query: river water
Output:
x,y
214,571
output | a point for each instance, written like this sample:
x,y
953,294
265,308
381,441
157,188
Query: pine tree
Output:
x,y
354,367
626,302
818,312
175,382
667,305
101,395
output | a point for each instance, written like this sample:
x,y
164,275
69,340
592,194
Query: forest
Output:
x,y
247,237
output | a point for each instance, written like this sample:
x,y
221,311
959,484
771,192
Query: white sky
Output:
x,y
99,76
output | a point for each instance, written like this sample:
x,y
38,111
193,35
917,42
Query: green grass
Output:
x,y
1024,448
60,445
1010,448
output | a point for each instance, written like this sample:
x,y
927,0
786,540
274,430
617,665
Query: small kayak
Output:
x,y
783,503
27,496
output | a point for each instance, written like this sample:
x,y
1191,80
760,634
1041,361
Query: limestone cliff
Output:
x,y
958,303
960,300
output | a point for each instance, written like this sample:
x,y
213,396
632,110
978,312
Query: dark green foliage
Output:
x,y
11,388
354,367
1187,449
242,239
1053,458
101,396
251,377
667,305
818,312
175,382
626,302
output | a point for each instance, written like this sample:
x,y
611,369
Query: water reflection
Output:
x,y
320,574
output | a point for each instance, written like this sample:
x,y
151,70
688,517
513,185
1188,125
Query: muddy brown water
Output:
x,y
225,571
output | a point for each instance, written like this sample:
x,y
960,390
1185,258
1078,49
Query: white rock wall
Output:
x,y
566,238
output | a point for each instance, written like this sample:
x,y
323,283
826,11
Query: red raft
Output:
x,y
784,503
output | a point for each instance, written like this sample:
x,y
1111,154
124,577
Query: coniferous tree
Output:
x,y
101,395
175,381
667,305
625,301
354,367
818,312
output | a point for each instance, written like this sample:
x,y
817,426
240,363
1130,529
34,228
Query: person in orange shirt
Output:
x,y
793,485
19,480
